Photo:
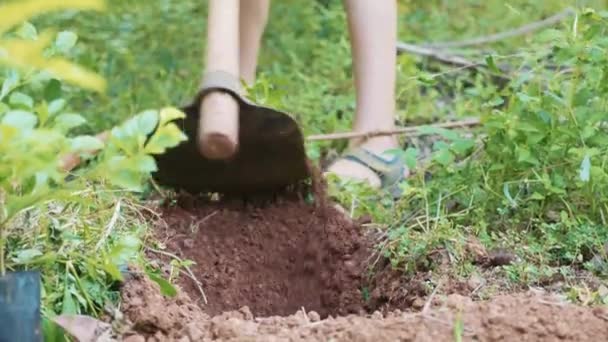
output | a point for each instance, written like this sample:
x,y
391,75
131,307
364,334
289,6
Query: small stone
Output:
x,y
314,316
474,282
194,332
602,291
247,315
134,338
377,315
232,328
184,339
418,303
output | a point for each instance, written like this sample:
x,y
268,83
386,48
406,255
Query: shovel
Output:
x,y
234,145
267,153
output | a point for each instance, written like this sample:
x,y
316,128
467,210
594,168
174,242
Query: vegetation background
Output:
x,y
529,181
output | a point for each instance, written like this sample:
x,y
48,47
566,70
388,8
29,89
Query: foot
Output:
x,y
349,169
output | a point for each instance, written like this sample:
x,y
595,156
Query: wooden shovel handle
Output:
x,y
219,111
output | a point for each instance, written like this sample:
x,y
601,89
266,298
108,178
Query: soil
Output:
x,y
292,268
523,317
274,257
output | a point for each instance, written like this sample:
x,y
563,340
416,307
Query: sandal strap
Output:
x,y
390,172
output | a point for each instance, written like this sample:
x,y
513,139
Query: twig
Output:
x,y
439,55
189,272
506,34
429,301
305,315
412,130
195,227
110,225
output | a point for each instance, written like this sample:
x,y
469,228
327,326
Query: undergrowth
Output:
x,y
530,178
78,228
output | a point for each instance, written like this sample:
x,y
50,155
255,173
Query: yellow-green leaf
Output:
x,y
86,143
16,12
170,114
28,54
165,137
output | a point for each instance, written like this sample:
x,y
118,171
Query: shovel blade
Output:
x,y
271,155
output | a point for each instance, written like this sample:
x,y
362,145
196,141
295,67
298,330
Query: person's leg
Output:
x,y
373,35
253,19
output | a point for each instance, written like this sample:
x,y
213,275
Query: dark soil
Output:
x,y
274,257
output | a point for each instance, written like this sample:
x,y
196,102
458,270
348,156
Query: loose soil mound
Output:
x,y
288,270
274,257
526,317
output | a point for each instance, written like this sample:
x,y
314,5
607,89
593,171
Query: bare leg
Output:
x,y
253,19
373,33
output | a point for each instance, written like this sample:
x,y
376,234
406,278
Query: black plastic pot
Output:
x,y
20,307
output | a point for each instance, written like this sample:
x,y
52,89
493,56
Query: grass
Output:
x,y
514,192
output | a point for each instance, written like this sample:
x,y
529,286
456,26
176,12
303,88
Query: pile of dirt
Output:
x,y
525,317
274,256
291,269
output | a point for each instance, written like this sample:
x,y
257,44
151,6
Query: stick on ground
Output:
x,y
524,29
410,130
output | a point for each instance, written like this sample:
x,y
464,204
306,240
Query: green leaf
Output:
x,y
537,196
166,288
4,108
491,65
19,99
554,36
20,119
146,164
10,83
69,306
113,271
56,106
411,157
444,157
170,114
68,121
26,255
507,193
86,143
585,168
446,133
525,98
147,121
52,90
525,155
495,102
126,179
65,41
165,137
27,31
427,79
51,331
126,248
461,146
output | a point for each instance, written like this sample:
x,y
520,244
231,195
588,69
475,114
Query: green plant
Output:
x,y
81,228
531,177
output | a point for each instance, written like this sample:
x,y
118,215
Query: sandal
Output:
x,y
391,172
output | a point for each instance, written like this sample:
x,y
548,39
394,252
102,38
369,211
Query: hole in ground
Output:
x,y
275,258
